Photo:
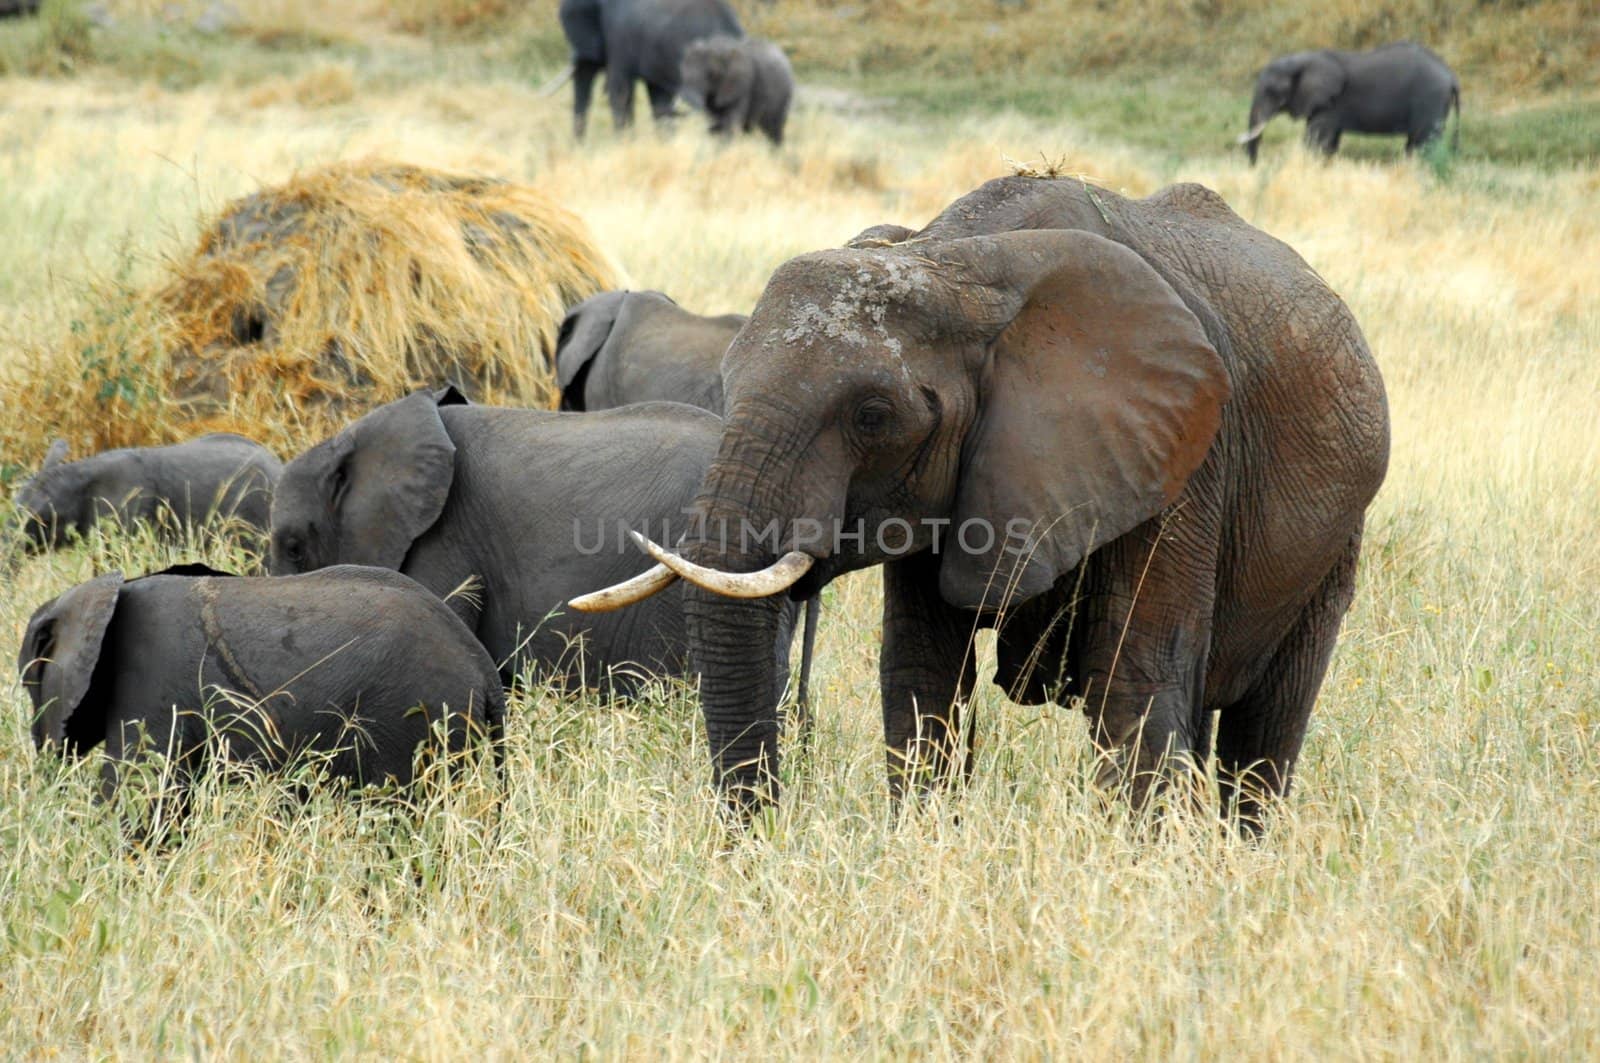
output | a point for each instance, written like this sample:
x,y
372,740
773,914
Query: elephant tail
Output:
x,y
1455,104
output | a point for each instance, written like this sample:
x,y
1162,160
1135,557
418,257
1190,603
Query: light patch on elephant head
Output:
x,y
861,290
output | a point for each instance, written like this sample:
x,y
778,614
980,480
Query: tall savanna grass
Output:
x,y
1428,890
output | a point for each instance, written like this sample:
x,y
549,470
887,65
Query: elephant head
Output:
x,y
716,72
57,662
1001,404
52,502
365,495
1301,84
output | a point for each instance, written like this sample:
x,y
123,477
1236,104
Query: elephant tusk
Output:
x,y
776,577
637,589
549,87
1254,133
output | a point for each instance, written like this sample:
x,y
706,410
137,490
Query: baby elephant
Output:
x,y
357,663
618,348
215,476
743,83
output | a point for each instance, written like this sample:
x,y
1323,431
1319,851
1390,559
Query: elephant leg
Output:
x,y
1259,736
660,101
1145,638
583,75
739,119
772,123
926,673
1323,133
619,92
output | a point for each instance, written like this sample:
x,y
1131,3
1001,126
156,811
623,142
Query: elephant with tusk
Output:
x,y
1399,88
1137,437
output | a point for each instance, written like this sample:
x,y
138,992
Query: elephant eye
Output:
x,y
872,417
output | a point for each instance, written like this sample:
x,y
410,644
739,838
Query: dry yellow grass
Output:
x,y
1429,892
314,300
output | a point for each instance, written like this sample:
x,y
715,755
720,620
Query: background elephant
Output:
x,y
741,82
215,476
636,39
335,662
523,509
1137,436
617,348
1398,88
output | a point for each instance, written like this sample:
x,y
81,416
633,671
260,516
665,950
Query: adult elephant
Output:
x,y
508,513
1398,88
617,348
1137,436
636,40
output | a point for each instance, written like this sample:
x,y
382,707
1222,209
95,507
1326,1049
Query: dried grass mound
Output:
x,y
307,304
349,286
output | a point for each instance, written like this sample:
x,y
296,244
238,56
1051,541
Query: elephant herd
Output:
x,y
696,49
1136,438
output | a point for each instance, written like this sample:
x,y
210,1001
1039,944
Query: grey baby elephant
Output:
x,y
356,663
743,83
218,476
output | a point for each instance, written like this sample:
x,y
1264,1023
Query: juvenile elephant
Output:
x,y
1137,436
218,476
531,505
1398,88
357,663
631,40
617,348
742,83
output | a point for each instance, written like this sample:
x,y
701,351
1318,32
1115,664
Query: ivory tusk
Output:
x,y
776,577
637,589
1255,131
556,82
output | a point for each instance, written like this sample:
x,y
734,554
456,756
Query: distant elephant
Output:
x,y
742,83
617,348
1138,437
1398,88
531,506
220,476
636,39
356,663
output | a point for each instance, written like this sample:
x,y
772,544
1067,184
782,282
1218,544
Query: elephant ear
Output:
x,y
191,568
1102,397
55,455
1319,84
388,478
584,331
60,652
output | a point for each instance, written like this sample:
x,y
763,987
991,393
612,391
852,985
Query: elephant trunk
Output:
x,y
1261,112
731,638
731,647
